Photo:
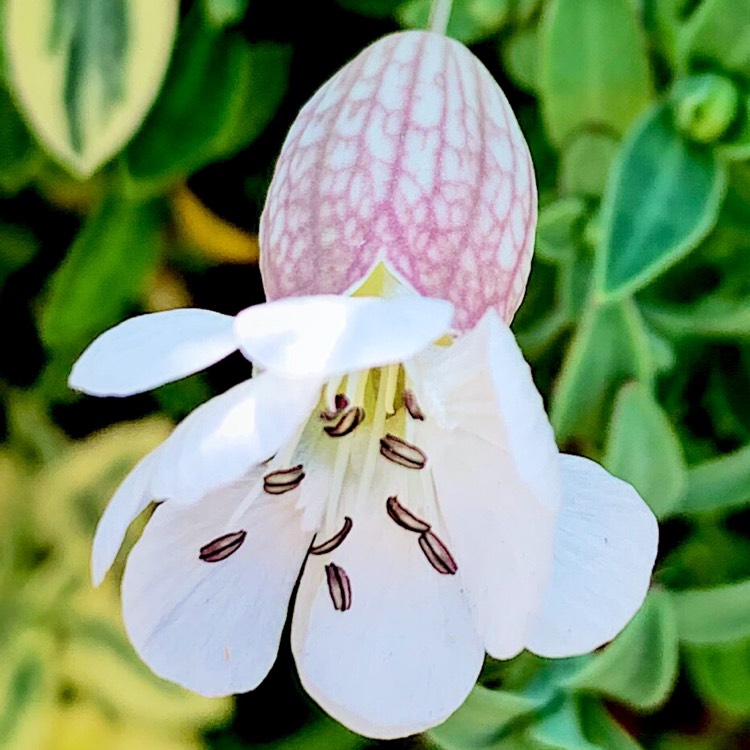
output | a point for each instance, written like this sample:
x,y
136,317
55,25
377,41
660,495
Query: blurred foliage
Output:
x,y
636,322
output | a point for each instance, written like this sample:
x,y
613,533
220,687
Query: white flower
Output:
x,y
412,478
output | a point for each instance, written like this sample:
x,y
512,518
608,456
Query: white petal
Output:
x,y
213,628
501,535
150,350
605,547
327,335
483,386
405,655
227,436
128,502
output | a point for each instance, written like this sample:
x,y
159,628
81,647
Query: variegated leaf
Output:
x,y
85,74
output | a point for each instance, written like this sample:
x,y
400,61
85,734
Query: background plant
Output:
x,y
135,182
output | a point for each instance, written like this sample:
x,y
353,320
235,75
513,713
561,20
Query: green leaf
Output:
x,y
559,229
640,666
721,675
519,53
19,157
470,20
603,730
239,87
716,33
585,162
609,347
662,199
103,275
714,615
373,8
643,449
561,729
593,66
17,248
719,484
222,13
479,722
85,74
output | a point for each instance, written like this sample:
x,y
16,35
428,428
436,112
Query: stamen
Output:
x,y
389,385
350,420
283,480
437,554
222,547
340,403
331,544
339,587
404,518
412,405
402,453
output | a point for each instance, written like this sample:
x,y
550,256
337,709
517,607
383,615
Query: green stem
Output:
x,y
440,15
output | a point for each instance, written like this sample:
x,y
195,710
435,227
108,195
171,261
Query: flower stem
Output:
x,y
440,15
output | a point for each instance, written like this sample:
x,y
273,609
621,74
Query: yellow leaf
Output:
x,y
103,666
85,74
218,240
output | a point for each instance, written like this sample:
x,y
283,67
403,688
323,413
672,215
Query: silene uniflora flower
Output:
x,y
391,452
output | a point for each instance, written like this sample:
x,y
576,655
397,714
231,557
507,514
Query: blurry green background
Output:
x,y
636,323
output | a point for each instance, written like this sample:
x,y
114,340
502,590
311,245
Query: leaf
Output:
x,y
559,229
373,8
17,248
714,615
719,484
85,74
640,666
519,53
585,163
100,662
28,681
713,317
481,719
603,730
715,33
643,449
662,199
593,66
561,729
19,158
224,12
721,675
609,347
103,275
239,87
470,20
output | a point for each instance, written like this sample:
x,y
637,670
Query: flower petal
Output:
x,y
605,547
128,502
150,350
227,436
500,532
327,335
213,627
483,386
405,655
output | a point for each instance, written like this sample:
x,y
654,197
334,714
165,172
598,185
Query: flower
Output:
x,y
412,478
391,445
410,157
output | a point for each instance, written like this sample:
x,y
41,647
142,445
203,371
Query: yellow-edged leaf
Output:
x,y
85,74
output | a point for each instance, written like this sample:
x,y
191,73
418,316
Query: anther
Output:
x,y
339,587
402,453
330,544
412,405
222,547
283,480
437,554
404,518
349,421
340,403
